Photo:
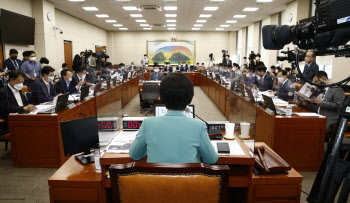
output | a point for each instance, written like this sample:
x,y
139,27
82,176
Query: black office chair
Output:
x,y
150,93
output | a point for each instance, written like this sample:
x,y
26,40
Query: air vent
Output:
x,y
157,26
150,8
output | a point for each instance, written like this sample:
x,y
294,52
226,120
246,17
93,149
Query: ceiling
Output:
x,y
188,12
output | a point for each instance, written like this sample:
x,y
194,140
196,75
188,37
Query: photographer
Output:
x,y
257,61
310,68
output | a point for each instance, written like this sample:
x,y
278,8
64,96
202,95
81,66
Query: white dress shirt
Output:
x,y
17,96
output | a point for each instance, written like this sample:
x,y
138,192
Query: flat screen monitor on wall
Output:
x,y
16,28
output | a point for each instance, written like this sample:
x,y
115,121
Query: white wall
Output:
x,y
130,46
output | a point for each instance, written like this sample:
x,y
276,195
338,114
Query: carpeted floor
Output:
x,y
30,184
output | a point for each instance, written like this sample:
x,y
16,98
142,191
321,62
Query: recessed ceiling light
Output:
x,y
195,28
171,28
170,15
263,1
111,21
171,25
239,16
231,21
130,8
102,16
217,0
123,28
219,29
198,25
147,28
171,21
211,8
136,15
76,0
205,16
251,9
117,25
170,8
90,8
224,25
141,21
144,25
201,21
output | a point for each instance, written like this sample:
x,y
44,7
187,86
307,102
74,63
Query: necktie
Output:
x,y
48,88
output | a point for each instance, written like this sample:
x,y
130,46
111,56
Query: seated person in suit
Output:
x,y
196,67
43,89
250,76
79,79
178,67
285,89
174,138
183,67
328,105
12,63
64,67
65,84
156,75
132,67
169,67
188,66
121,69
236,77
12,100
264,81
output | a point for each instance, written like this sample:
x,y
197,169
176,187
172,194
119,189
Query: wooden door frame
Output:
x,y
69,65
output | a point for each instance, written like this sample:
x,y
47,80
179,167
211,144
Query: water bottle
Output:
x,y
289,110
97,160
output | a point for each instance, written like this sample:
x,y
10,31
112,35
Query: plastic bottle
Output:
x,y
97,160
289,110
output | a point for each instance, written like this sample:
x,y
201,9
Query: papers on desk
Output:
x,y
40,108
279,102
235,149
105,137
309,114
122,142
74,97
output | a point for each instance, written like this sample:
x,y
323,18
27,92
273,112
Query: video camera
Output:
x,y
252,56
326,33
211,56
291,56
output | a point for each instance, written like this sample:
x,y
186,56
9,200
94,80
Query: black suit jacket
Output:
x,y
229,63
310,71
61,87
8,104
40,93
75,81
10,66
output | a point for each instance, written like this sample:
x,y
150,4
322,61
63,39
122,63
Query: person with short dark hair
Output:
x,y
228,60
44,61
264,81
65,84
285,88
174,138
12,100
273,71
311,68
156,75
132,67
144,60
250,76
77,62
257,61
178,67
31,68
79,79
12,63
43,89
25,55
237,73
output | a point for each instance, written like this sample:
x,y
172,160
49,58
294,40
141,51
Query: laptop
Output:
x,y
84,92
269,104
161,110
61,104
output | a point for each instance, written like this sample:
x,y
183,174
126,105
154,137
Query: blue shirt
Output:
x,y
31,69
173,138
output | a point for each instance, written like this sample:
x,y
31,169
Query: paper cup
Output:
x,y
245,130
229,128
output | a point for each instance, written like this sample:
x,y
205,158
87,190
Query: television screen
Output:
x,y
16,28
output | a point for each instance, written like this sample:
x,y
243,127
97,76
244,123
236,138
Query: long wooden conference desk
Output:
x,y
36,139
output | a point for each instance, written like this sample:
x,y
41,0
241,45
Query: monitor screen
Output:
x,y
161,110
79,135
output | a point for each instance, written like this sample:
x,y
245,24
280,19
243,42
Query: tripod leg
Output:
x,y
345,191
337,179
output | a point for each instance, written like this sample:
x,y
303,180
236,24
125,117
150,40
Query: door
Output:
x,y
1,55
68,54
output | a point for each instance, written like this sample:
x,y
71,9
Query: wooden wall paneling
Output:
x,y
68,54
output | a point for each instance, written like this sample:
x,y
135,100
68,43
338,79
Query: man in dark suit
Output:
x,y
43,89
285,89
79,79
183,67
258,62
12,100
65,84
156,75
178,67
250,76
311,68
12,63
264,81
328,105
229,61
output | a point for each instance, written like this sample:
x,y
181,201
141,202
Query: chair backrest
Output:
x,y
138,182
150,90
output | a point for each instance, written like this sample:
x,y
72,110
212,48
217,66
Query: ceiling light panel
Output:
x,y
219,29
117,25
102,16
195,28
198,25
205,15
170,15
211,8
231,21
239,16
171,28
170,8
130,8
147,28
224,25
201,21
123,28
136,15
111,21
90,8
171,25
251,9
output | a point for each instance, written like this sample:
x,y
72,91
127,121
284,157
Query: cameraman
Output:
x,y
257,61
310,68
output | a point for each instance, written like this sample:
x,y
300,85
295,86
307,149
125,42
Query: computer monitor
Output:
x,y
84,92
62,102
125,77
268,103
161,110
78,136
98,87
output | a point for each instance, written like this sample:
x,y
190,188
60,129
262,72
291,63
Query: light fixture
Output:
x,y
171,25
205,16
211,8
195,28
111,21
198,25
170,15
147,28
171,28
90,8
219,29
102,16
201,21
130,8
144,25
123,28
136,15
263,1
239,16
224,25
231,21
117,25
76,0
170,8
251,9
171,21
